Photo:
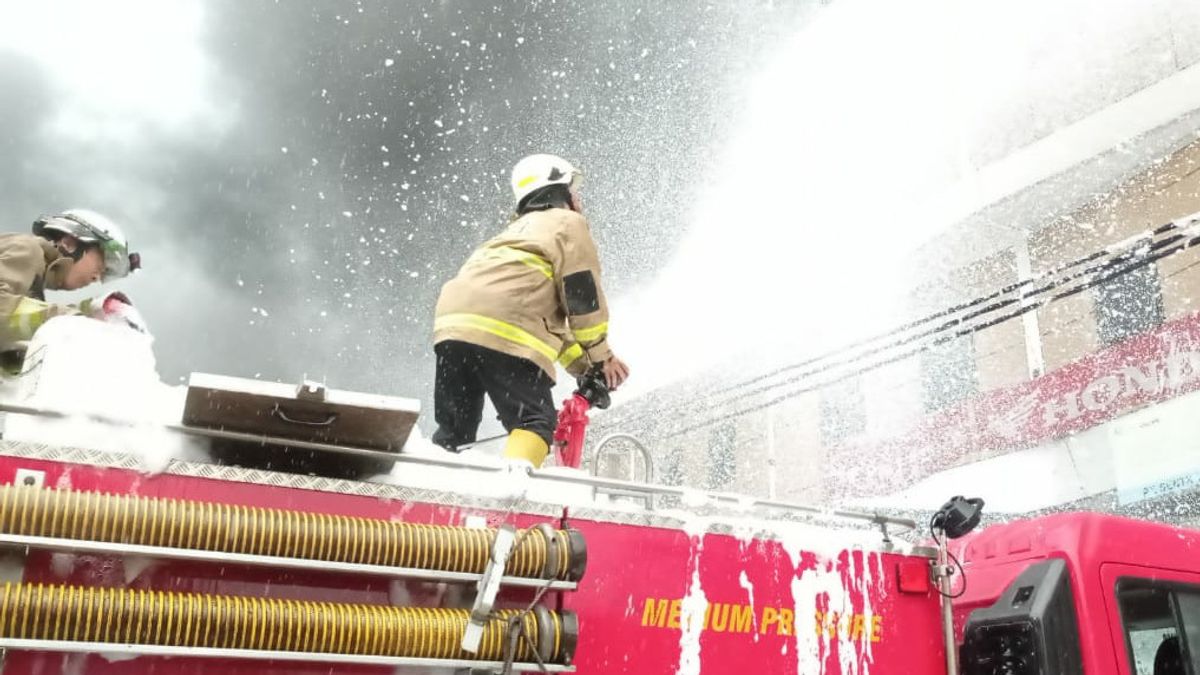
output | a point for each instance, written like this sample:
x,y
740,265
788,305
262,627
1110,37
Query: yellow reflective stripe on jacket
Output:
x,y
570,355
533,260
29,315
498,328
591,333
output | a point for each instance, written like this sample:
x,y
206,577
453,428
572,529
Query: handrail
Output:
x,y
20,644
583,479
647,460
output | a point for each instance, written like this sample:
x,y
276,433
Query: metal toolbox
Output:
x,y
309,412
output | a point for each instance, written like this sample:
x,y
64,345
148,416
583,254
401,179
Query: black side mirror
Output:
x,y
958,516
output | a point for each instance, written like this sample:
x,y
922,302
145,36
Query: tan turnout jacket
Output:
x,y
534,292
28,266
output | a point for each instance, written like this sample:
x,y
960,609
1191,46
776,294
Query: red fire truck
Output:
x,y
276,555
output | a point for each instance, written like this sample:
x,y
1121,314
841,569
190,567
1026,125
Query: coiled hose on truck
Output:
x,y
141,617
541,553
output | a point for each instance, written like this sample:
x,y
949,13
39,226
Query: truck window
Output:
x,y
1188,601
1161,621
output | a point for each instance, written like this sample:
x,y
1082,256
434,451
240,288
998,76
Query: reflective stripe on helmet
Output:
x,y
537,171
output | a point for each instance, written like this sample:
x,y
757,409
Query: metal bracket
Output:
x,y
30,478
552,552
887,538
310,391
488,586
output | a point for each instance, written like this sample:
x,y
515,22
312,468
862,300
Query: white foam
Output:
x,y
91,368
693,498
748,586
134,565
73,664
62,564
692,611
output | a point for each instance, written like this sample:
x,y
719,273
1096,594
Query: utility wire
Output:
x,y
853,353
950,311
1122,257
926,346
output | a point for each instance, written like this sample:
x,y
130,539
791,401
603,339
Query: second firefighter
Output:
x,y
524,300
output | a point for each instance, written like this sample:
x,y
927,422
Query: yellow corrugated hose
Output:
x,y
128,519
126,616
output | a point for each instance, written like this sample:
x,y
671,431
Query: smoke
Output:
x,y
301,178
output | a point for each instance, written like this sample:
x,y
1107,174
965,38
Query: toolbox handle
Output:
x,y
277,411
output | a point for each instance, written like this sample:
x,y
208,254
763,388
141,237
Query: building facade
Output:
x,y
1054,385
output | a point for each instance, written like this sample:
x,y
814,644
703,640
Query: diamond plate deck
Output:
x,y
715,521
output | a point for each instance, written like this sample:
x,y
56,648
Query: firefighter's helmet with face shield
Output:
x,y
92,229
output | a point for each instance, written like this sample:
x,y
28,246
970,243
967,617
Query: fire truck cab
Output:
x,y
1080,593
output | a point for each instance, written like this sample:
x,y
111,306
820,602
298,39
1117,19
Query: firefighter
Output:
x,y
67,252
525,299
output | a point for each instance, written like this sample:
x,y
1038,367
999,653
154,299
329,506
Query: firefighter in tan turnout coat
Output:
x,y
67,251
525,300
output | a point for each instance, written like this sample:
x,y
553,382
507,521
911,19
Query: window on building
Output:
x,y
722,459
1161,622
948,373
843,411
1128,304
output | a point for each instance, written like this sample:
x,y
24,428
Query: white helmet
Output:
x,y
537,171
95,229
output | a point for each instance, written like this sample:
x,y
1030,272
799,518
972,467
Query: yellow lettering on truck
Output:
x,y
723,617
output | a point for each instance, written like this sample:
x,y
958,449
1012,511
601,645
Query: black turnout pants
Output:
x,y
520,390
